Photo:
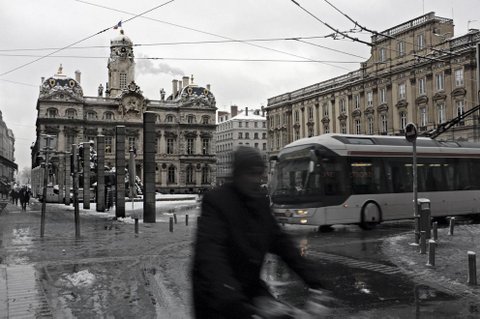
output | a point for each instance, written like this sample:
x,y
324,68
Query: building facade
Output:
x,y
417,72
247,127
7,156
185,125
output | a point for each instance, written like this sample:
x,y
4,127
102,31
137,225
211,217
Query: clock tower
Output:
x,y
121,65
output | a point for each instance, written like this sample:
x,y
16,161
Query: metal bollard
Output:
x,y
423,242
451,226
417,229
435,231
431,253
472,268
136,225
175,218
171,224
186,219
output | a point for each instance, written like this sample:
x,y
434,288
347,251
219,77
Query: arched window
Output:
x,y
205,120
109,116
190,119
52,112
169,119
91,115
190,171
171,174
70,113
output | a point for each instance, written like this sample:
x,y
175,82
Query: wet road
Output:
x,y
365,282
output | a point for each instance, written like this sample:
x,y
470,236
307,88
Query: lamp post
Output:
x,y
46,150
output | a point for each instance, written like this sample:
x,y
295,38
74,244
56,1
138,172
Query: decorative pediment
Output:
x,y
382,108
132,132
421,100
190,134
402,104
195,96
342,117
459,92
325,120
52,129
72,131
206,134
90,131
170,134
356,113
158,133
132,102
62,89
439,96
369,110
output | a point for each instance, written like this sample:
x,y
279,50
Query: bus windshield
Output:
x,y
294,182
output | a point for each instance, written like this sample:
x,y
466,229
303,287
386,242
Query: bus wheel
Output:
x,y
371,216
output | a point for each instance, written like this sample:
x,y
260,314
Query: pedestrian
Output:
x,y
235,231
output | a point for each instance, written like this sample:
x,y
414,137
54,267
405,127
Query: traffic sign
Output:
x,y
411,132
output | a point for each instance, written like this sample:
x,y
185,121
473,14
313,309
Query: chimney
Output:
x,y
174,88
233,110
246,111
186,80
263,111
42,79
208,87
180,85
78,74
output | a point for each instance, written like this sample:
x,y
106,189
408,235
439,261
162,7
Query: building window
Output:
x,y
343,106
190,146
247,135
343,128
325,110
169,119
205,120
205,175
189,174
423,117
439,81
310,113
401,91
297,134
240,135
205,146
264,146
255,124
326,129
52,113
384,123
71,114
356,102
420,41
246,123
256,145
382,55
240,124
123,81
170,148
369,99
69,141
157,145
403,120
421,86
171,174
358,126
310,131
109,116
297,117
108,145
460,106
459,77
401,48
383,95
370,125
255,136
190,119
441,112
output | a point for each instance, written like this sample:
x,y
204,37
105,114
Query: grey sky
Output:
x,y
28,24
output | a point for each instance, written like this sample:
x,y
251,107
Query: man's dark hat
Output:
x,y
246,159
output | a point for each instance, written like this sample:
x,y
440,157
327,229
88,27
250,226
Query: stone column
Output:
x,y
61,177
120,171
67,178
86,175
100,197
149,167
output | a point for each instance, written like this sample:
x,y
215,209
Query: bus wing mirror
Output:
x,y
311,166
273,158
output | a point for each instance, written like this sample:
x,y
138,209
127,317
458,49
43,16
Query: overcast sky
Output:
x,y
34,28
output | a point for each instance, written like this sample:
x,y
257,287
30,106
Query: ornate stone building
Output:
x,y
417,72
185,121
7,156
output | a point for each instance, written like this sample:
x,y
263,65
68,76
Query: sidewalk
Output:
x,y
450,272
109,272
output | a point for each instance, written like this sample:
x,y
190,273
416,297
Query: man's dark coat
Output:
x,y
233,236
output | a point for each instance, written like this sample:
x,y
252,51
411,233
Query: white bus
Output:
x,y
359,179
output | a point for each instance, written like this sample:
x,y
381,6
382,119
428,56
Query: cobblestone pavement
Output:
x,y
109,272
450,272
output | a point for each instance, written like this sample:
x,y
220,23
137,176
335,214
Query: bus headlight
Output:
x,y
303,221
301,212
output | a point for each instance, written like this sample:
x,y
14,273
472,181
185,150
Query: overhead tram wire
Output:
x,y
331,49
208,33
189,59
330,27
84,39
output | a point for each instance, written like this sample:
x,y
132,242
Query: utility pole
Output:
x,y
46,151
75,189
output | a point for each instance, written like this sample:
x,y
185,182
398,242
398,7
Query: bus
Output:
x,y
365,179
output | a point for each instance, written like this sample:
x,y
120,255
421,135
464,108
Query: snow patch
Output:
x,y
81,279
